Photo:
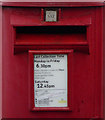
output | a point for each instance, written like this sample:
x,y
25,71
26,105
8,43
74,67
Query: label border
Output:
x,y
69,80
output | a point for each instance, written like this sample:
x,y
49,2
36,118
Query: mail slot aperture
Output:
x,y
51,36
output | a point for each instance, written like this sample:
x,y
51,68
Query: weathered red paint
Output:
x,y
0,63
53,3
86,40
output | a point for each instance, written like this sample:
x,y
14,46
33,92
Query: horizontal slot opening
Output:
x,y
51,35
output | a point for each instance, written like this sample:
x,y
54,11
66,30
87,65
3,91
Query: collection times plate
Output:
x,y
50,80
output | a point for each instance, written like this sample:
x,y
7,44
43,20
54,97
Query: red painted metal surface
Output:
x,y
98,1
104,58
53,3
84,36
0,63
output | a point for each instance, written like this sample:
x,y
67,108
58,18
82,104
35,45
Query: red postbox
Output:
x,y
52,59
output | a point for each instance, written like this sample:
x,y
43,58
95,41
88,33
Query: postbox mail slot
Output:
x,y
40,36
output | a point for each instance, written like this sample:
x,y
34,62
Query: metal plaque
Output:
x,y
51,16
50,80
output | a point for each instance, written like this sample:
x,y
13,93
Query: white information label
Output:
x,y
50,80
51,16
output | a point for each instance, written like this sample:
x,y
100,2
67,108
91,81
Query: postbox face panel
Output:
x,y
52,62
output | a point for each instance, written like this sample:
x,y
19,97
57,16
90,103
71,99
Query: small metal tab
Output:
x,y
50,15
